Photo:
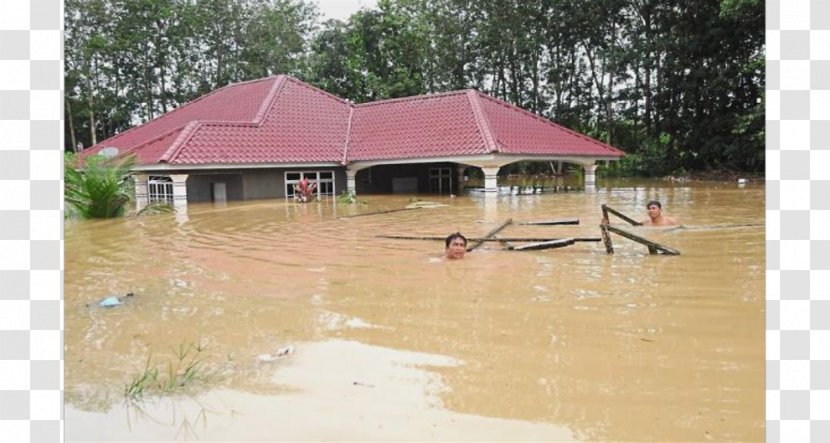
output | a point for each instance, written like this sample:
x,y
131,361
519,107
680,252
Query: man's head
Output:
x,y
456,245
654,209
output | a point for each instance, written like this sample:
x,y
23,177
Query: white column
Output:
x,y
491,180
590,177
179,191
351,182
141,197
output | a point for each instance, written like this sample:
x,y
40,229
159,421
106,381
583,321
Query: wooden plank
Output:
x,y
555,221
606,209
499,239
489,235
561,243
606,239
380,212
653,247
505,243
727,226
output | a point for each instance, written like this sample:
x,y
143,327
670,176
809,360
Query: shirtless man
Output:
x,y
656,217
456,246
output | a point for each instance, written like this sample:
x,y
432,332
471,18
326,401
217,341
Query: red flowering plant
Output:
x,y
304,191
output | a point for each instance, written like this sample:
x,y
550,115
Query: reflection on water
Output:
x,y
623,346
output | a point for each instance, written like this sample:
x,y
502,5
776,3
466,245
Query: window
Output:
x,y
324,180
440,180
160,190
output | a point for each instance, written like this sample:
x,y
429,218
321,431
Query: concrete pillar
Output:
x,y
351,182
141,196
491,180
591,177
459,180
179,191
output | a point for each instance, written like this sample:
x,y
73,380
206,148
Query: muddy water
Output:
x,y
390,343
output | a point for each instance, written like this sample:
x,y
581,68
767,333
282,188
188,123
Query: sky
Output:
x,y
342,9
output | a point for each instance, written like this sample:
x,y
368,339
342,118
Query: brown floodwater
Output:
x,y
391,343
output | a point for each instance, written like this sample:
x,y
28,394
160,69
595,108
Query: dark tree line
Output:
x,y
677,84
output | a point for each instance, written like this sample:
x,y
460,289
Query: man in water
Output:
x,y
656,217
456,246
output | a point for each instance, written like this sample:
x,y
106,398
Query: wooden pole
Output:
x,y
381,212
499,239
606,210
653,247
489,235
556,221
507,245
561,243
606,238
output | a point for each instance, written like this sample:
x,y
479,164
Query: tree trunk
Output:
x,y
72,139
91,103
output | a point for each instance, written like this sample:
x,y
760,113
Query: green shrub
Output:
x,y
102,188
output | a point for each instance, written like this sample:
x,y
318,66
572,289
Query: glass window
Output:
x,y
324,180
440,180
160,189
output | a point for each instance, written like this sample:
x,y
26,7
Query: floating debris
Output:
x,y
267,358
285,351
111,301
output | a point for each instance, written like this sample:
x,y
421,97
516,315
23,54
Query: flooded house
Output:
x,y
257,139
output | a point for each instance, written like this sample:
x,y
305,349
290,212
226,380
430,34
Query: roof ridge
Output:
x,y
299,82
490,142
189,130
182,106
270,100
548,121
412,98
348,136
142,145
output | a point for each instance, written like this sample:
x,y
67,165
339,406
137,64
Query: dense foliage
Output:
x,y
100,189
677,84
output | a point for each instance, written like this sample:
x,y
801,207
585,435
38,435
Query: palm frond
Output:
x,y
101,189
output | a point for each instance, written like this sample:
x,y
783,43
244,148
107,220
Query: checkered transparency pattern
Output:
x,y
31,221
798,220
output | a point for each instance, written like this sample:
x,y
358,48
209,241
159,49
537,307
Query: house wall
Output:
x,y
263,183
250,184
379,179
200,186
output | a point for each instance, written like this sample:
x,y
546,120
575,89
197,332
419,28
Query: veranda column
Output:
x,y
179,191
141,197
351,182
590,177
459,178
491,180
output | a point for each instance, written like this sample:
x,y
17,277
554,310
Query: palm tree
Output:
x,y
101,188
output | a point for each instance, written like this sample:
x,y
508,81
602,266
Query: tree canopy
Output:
x,y
677,84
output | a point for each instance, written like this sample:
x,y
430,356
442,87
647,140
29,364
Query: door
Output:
x,y
440,181
220,192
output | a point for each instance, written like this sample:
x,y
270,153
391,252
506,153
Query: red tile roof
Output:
x,y
283,120
423,126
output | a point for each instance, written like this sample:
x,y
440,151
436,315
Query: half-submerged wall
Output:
x,y
421,178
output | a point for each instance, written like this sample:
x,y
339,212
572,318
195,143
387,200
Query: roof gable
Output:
x,y
518,131
422,126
